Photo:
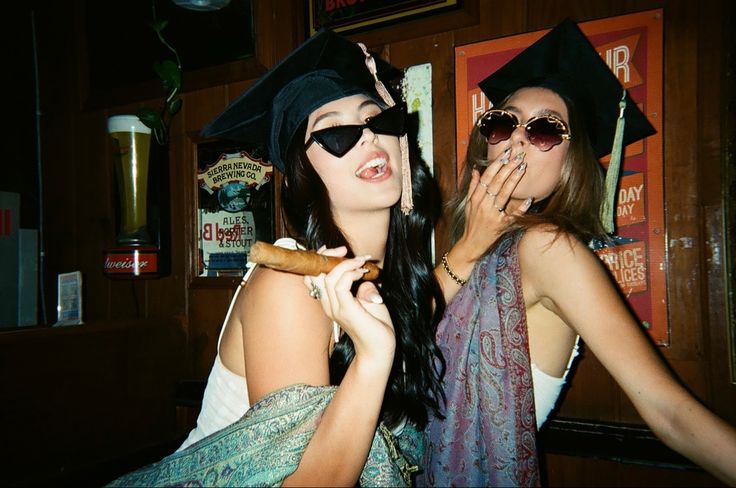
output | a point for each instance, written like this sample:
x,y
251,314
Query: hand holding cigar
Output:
x,y
301,262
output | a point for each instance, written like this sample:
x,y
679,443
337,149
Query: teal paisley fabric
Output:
x,y
266,445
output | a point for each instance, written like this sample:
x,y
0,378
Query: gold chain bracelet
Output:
x,y
452,275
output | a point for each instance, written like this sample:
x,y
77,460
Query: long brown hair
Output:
x,y
574,205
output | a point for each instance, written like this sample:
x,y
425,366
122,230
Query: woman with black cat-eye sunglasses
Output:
x,y
318,379
340,139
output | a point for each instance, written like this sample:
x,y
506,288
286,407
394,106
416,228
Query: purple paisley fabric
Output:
x,y
488,437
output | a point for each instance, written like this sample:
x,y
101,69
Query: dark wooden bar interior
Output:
x,y
84,404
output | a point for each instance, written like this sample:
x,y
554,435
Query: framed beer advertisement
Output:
x,y
631,45
235,207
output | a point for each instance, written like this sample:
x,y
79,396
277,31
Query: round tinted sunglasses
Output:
x,y
342,138
544,131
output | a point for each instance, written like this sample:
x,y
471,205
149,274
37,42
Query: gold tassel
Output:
x,y
407,199
608,214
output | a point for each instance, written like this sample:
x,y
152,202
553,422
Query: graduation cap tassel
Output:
x,y
608,215
407,200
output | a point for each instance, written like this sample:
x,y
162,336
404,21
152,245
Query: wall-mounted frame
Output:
x,y
349,16
235,206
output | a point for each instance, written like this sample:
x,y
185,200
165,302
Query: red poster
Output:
x,y
631,45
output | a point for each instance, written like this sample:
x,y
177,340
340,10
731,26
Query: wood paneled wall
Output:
x,y
79,206
79,401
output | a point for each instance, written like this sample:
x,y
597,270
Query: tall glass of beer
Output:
x,y
132,143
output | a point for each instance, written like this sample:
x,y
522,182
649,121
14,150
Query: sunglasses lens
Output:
x,y
389,122
544,133
338,140
341,139
497,126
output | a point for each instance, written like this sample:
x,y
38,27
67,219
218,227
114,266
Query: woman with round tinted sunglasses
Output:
x,y
543,131
523,287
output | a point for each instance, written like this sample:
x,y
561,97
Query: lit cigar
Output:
x,y
299,261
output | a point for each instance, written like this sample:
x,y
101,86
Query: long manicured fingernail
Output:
x,y
519,156
527,203
521,167
376,298
505,158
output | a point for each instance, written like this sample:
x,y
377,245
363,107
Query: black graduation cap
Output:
x,y
565,61
324,68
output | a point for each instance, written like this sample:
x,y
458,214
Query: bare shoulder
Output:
x,y
285,333
548,242
278,296
551,258
268,284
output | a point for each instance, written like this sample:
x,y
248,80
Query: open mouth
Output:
x,y
375,168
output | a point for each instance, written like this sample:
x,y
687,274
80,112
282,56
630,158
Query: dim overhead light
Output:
x,y
202,5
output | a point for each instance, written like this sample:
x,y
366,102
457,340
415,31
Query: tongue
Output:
x,y
368,173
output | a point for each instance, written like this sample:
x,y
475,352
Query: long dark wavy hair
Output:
x,y
408,286
574,205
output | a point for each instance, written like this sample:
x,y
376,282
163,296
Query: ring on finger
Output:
x,y
314,291
492,195
485,185
500,210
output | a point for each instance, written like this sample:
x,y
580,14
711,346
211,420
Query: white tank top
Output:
x,y
225,398
547,388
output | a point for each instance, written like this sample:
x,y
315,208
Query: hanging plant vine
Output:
x,y
169,73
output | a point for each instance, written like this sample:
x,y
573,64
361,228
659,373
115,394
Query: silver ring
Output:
x,y
314,291
500,210
484,185
492,195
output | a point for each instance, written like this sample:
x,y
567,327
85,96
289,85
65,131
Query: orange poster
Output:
x,y
631,46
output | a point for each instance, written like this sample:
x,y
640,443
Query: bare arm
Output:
x,y
570,281
286,341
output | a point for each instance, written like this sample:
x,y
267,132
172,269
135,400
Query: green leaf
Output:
x,y
150,118
170,75
160,135
174,106
158,25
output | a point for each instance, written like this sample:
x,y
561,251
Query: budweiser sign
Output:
x,y
133,262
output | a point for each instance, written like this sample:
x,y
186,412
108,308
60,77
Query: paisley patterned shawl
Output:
x,y
488,437
266,445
